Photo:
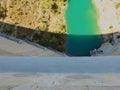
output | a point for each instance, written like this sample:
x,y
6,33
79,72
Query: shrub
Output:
x,y
2,12
117,5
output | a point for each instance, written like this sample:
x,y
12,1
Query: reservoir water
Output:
x,y
83,31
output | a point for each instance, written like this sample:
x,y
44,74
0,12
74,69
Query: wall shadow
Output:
x,y
81,45
54,41
73,45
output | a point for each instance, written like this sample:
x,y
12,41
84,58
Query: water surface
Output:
x,y
83,31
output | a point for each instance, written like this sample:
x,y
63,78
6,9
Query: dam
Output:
x,y
71,73
82,27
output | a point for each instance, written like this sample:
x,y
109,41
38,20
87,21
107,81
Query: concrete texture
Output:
x,y
71,73
10,46
24,81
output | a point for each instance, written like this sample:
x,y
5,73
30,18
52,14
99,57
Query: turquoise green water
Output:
x,y
83,30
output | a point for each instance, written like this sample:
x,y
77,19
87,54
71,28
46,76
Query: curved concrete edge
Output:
x,y
60,64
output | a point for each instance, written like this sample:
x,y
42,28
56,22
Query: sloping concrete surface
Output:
x,y
18,81
13,48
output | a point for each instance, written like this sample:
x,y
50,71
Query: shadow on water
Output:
x,y
82,45
54,41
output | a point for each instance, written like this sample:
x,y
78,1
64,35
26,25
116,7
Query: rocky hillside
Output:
x,y
41,21
45,15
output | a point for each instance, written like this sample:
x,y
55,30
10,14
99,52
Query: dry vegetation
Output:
x,y
41,21
45,15
109,17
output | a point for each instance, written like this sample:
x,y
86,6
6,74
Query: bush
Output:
x,y
117,5
2,12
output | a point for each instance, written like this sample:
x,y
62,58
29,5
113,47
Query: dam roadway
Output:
x,y
58,73
33,72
